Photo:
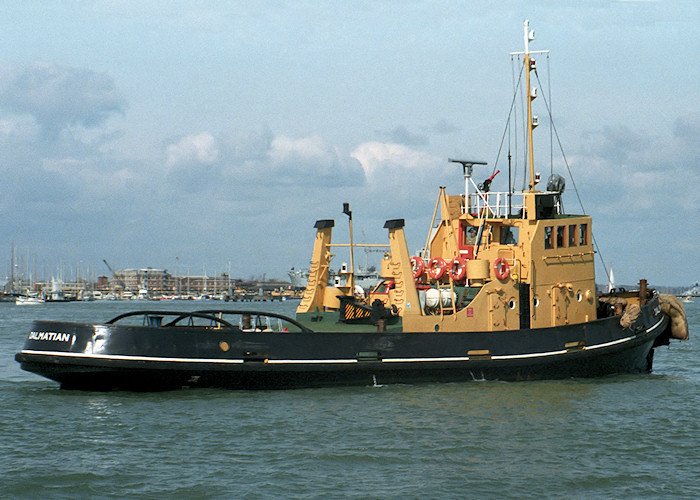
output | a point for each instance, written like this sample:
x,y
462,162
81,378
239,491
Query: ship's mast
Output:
x,y
529,63
529,66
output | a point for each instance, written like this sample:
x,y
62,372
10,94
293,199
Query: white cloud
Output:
x,y
377,156
284,148
631,171
58,96
402,182
200,148
17,129
304,162
389,163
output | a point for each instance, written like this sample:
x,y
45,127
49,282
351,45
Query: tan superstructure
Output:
x,y
492,261
522,272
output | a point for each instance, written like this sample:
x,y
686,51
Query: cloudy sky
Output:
x,y
202,135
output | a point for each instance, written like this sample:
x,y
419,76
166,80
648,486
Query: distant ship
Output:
x,y
298,277
688,295
692,292
29,300
365,277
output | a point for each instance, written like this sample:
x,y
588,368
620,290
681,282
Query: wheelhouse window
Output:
x,y
561,233
383,287
509,235
548,237
470,233
583,234
572,235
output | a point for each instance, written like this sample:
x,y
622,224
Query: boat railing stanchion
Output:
x,y
351,280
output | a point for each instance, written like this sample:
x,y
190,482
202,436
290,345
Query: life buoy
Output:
x,y
501,268
458,269
437,268
417,266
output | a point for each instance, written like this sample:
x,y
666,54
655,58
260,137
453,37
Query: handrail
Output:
x,y
139,313
180,316
208,314
198,315
499,203
259,313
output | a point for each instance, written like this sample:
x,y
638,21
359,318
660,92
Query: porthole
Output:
x,y
579,296
512,303
536,301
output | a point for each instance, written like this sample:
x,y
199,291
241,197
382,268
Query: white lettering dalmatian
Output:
x,y
50,336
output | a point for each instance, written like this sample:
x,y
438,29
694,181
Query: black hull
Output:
x,y
161,358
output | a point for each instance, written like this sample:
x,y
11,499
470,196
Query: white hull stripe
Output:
x,y
607,344
422,360
323,361
533,355
619,341
310,361
131,358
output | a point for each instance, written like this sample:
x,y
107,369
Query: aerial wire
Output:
x,y
506,129
571,176
515,122
551,141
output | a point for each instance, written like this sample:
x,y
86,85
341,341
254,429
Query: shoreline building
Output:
x,y
157,282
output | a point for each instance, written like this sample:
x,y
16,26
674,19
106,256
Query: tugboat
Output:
x,y
504,290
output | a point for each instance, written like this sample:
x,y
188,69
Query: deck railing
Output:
x,y
494,204
497,204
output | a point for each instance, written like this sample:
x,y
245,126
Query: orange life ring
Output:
x,y
501,268
458,269
437,268
417,266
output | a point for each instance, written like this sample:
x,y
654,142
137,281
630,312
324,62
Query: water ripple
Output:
x,y
622,436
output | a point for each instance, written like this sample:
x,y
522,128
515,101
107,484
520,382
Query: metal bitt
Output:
x,y
642,292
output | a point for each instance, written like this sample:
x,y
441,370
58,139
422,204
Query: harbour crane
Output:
x,y
118,280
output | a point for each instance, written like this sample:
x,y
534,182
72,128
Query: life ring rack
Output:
x,y
436,268
458,269
417,266
501,268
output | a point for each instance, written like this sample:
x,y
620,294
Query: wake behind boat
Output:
x,y
504,290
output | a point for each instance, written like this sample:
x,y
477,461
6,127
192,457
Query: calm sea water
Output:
x,y
630,436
